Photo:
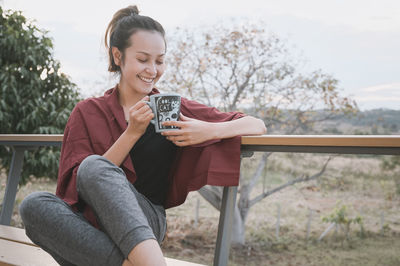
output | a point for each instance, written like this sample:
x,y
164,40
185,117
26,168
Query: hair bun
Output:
x,y
126,12
133,10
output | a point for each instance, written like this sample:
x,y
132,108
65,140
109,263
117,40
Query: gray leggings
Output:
x,y
126,218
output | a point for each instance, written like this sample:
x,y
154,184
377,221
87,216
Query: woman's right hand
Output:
x,y
139,117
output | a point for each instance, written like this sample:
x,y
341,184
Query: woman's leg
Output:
x,y
66,235
104,186
157,221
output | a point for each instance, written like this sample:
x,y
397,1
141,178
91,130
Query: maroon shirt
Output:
x,y
96,123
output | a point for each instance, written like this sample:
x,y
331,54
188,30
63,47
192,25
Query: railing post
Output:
x,y
12,184
225,226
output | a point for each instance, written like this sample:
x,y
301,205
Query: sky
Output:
x,y
356,41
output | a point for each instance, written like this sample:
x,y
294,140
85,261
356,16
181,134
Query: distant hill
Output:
x,y
376,122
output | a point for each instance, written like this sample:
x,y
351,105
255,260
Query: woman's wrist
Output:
x,y
121,147
131,135
217,130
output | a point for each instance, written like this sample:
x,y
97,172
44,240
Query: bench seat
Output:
x,y
17,249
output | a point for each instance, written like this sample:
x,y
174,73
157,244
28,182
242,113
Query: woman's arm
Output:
x,y
120,149
139,118
193,131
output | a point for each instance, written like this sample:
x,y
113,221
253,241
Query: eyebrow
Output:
x,y
148,53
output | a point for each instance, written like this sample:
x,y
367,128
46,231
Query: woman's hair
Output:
x,y
124,23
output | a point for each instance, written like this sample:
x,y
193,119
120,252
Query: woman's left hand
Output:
x,y
191,132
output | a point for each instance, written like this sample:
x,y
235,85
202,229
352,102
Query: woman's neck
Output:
x,y
127,96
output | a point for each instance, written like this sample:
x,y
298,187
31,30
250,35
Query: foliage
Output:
x,y
340,217
35,96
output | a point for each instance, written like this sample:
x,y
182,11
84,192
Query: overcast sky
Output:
x,y
357,41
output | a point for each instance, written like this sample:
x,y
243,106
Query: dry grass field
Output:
x,y
356,182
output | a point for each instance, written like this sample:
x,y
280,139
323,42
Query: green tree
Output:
x,y
35,96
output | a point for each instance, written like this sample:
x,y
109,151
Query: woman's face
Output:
x,y
143,63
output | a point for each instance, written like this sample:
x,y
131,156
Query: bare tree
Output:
x,y
246,68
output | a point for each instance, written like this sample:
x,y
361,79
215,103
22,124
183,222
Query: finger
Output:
x,y
177,132
184,118
174,123
146,116
145,111
176,138
141,115
137,106
145,98
181,143
136,114
142,109
150,116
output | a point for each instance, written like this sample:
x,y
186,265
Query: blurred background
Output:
x,y
356,41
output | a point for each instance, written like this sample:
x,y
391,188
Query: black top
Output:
x,y
152,157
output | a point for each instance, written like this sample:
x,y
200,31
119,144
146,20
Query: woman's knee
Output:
x,y
31,206
88,170
91,169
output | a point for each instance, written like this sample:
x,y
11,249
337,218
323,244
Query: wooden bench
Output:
x,y
340,144
17,249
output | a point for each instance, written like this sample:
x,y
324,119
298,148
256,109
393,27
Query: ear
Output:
x,y
116,55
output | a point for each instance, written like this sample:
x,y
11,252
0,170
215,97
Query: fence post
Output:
x,y
309,223
12,184
196,214
329,228
225,226
278,222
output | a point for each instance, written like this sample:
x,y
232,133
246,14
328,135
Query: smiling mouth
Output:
x,y
147,80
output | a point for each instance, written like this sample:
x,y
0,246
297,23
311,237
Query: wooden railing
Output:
x,y
341,144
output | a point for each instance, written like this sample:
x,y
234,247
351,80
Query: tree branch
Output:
x,y
212,195
292,182
259,170
204,89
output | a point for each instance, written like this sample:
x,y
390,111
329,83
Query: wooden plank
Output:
x,y
18,236
14,234
30,137
14,253
299,140
291,140
325,140
174,262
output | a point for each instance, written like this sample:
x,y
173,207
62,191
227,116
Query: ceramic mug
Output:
x,y
166,107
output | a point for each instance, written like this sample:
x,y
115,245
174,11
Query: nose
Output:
x,y
151,69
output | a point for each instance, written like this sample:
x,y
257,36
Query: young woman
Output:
x,y
117,175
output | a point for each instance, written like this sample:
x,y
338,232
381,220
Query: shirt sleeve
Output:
x,y
203,112
75,148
